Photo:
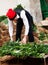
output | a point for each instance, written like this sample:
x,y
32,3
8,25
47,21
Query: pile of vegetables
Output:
x,y
2,18
24,50
43,36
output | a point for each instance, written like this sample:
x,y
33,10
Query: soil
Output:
x,y
27,61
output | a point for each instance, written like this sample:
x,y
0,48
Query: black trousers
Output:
x,y
19,29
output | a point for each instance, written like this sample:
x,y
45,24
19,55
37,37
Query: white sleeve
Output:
x,y
10,27
25,21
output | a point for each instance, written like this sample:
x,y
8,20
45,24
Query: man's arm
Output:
x,y
25,21
10,27
26,24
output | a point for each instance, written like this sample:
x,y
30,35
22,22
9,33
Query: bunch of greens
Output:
x,y
2,18
42,36
24,50
5,21
34,27
18,7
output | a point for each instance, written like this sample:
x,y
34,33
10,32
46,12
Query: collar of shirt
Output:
x,y
17,16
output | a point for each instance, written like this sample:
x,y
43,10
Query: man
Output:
x,y
23,18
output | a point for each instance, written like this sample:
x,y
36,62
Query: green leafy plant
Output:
x,y
42,36
18,7
24,50
34,27
5,21
2,18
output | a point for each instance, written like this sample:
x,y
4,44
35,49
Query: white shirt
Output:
x,y
25,21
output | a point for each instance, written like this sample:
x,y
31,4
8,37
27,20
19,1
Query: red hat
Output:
x,y
11,14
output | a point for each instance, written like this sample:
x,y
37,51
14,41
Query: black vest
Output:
x,y
19,26
29,17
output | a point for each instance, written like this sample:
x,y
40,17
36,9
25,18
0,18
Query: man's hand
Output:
x,y
24,40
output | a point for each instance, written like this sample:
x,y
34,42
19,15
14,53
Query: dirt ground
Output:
x,y
27,61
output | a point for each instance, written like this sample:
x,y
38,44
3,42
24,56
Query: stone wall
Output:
x,y
35,9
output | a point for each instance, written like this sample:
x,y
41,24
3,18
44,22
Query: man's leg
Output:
x,y
19,29
30,35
